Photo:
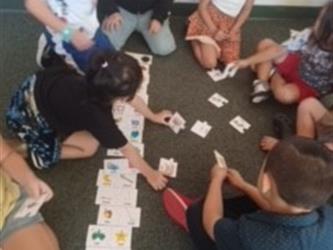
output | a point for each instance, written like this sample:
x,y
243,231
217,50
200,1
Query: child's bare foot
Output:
x,y
267,143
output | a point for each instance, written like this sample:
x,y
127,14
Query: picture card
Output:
x,y
119,166
108,180
220,159
116,197
218,75
30,207
109,237
218,100
177,123
168,167
119,216
201,128
240,124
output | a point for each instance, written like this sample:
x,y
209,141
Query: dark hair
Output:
x,y
112,75
302,170
323,34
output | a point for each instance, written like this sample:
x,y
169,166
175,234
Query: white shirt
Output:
x,y
230,7
77,13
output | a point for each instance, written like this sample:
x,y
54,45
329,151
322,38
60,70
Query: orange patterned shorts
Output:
x,y
198,31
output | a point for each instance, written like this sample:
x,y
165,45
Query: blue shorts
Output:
x,y
14,224
80,59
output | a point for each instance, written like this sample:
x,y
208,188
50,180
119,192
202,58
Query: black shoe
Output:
x,y
283,126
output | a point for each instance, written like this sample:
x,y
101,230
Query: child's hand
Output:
x,y
218,173
113,22
220,36
235,179
81,41
154,27
157,180
35,187
162,117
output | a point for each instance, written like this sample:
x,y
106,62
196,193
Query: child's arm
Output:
x,y
14,165
203,12
40,10
243,16
154,178
237,181
140,106
213,206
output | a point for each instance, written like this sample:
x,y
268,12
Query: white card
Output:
x,y
240,124
143,59
119,216
119,166
108,180
201,128
168,167
30,207
220,159
177,123
117,197
217,75
218,100
140,147
109,237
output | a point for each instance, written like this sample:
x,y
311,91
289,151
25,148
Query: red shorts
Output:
x,y
289,70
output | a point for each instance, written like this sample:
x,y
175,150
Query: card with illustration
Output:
x,y
107,237
119,166
168,167
218,100
30,207
117,197
177,123
108,180
240,124
119,216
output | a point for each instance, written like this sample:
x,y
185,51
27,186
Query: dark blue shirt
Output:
x,y
266,231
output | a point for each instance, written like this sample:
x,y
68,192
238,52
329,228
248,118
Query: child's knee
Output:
x,y
307,104
285,96
266,43
91,148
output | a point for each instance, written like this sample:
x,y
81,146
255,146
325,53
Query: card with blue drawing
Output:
x,y
119,216
240,124
217,100
118,238
108,180
119,166
116,197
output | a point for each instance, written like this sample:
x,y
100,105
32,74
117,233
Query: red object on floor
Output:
x,y
175,206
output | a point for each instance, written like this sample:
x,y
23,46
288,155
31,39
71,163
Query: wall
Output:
x,y
277,2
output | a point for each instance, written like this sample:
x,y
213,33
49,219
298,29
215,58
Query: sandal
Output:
x,y
282,126
261,91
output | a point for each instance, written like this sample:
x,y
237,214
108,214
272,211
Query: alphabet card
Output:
x,y
217,100
119,216
201,128
117,197
118,238
108,180
240,124
177,123
168,167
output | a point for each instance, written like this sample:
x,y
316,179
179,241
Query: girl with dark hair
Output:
x,y
301,67
58,102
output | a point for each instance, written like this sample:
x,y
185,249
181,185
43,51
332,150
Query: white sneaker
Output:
x,y
41,48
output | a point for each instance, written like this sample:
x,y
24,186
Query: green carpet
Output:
x,y
177,83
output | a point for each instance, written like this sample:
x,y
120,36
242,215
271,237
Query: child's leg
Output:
x,y
206,54
309,112
35,237
284,92
79,145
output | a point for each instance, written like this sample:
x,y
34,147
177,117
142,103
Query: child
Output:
x,y
72,31
302,67
120,18
28,233
287,209
313,121
59,102
215,30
